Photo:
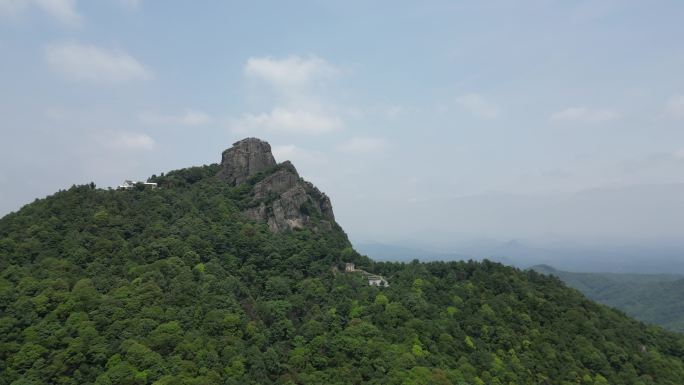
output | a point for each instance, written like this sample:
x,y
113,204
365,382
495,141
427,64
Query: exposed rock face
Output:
x,y
282,199
246,158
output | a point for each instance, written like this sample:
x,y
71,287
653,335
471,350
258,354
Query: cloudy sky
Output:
x,y
433,121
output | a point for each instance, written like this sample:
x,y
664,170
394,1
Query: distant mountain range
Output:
x,y
644,259
652,298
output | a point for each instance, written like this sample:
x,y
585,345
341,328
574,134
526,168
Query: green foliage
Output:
x,y
652,298
175,286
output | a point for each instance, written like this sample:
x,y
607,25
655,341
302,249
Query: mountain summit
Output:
x,y
246,158
277,194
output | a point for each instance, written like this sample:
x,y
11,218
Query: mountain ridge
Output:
x,y
651,298
281,198
178,285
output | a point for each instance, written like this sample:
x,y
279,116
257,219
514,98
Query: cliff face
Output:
x,y
281,198
246,158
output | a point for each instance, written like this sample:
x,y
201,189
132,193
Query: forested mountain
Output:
x,y
652,298
215,278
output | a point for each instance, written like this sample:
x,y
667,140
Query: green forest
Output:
x,y
175,286
652,298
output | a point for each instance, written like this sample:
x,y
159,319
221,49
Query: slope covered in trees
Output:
x,y
176,286
652,298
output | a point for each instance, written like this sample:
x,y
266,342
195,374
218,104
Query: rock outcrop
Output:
x,y
281,198
247,157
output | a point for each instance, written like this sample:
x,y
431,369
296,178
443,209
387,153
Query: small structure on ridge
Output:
x,y
376,280
129,184
373,279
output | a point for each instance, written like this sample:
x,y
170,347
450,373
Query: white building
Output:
x,y
129,184
376,280
373,280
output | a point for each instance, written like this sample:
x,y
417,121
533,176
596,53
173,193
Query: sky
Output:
x,y
432,122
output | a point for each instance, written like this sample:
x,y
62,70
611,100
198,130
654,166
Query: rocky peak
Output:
x,y
247,157
279,197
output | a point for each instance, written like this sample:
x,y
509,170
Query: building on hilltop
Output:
x,y
376,280
129,184
373,279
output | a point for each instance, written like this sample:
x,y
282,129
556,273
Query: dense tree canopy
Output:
x,y
653,298
174,286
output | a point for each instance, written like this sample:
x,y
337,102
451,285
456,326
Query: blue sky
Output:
x,y
434,121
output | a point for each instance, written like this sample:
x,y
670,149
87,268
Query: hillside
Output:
x,y
215,278
652,298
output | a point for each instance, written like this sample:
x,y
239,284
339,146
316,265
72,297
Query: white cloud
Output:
x,y
393,112
62,10
284,152
85,62
298,155
675,107
11,7
130,4
287,121
195,118
299,105
188,118
362,145
130,141
584,115
290,72
478,106
679,154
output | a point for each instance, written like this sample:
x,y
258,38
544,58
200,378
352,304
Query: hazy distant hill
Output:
x,y
386,252
644,259
402,253
653,298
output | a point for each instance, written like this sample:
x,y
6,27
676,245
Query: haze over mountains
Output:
x,y
611,258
